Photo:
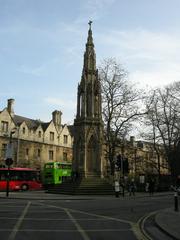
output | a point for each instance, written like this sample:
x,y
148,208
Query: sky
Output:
x,y
42,44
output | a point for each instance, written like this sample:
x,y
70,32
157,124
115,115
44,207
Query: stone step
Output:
x,y
89,186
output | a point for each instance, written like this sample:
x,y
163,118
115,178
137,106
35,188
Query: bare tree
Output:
x,y
151,134
164,119
119,105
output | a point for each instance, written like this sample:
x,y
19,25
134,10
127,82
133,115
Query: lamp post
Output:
x,y
135,160
18,147
9,160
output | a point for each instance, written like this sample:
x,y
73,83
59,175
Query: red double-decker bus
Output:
x,y
20,179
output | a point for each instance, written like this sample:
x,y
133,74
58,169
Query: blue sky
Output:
x,y
42,44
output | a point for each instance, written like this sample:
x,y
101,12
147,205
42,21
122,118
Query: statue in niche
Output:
x,y
96,98
88,99
96,105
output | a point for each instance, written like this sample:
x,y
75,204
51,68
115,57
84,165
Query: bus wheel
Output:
x,y
24,187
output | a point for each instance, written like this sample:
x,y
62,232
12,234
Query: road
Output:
x,y
86,218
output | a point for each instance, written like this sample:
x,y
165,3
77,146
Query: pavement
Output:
x,y
168,220
42,195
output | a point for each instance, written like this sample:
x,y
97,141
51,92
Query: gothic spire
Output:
x,y
90,38
89,55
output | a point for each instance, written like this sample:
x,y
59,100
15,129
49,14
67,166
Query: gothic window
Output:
x,y
64,157
51,153
80,107
4,126
39,134
92,154
91,61
96,106
27,151
92,142
65,139
24,130
88,100
3,150
51,136
39,153
96,88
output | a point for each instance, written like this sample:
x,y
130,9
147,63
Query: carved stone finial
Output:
x,y
90,22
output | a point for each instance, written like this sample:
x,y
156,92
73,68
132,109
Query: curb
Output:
x,y
44,199
163,228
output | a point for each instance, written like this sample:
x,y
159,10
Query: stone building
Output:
x,y
145,160
34,142
88,126
142,158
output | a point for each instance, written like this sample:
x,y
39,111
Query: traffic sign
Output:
x,y
9,161
9,150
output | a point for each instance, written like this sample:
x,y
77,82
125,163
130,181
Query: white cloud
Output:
x,y
145,43
41,70
151,57
93,10
95,6
62,104
36,71
155,78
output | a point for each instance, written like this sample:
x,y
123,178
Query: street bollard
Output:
x,y
176,201
123,191
117,194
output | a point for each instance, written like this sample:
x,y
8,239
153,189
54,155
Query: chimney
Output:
x,y
10,106
56,117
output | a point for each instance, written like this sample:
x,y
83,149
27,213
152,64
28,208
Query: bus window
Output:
x,y
66,166
49,166
2,176
58,166
14,175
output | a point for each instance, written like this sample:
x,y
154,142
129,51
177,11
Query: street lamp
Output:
x,y
12,132
9,160
135,160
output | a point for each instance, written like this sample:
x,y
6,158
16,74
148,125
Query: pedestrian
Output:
x,y
122,185
132,188
117,188
178,184
147,187
151,186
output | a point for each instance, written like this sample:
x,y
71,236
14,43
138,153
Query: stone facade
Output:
x,y
142,158
88,126
34,142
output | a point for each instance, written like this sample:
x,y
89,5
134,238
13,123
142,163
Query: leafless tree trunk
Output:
x,y
164,123
119,105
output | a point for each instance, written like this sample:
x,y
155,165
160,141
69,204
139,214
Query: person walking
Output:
x,y
116,188
177,185
147,187
151,186
178,182
132,188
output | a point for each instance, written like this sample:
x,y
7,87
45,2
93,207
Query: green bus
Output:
x,y
56,173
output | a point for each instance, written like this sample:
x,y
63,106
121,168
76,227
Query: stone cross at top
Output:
x,y
90,22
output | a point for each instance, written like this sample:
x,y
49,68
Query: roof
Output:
x,y
71,129
18,169
34,124
45,125
30,122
